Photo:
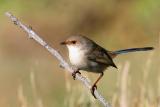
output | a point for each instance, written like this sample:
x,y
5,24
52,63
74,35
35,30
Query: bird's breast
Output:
x,y
77,57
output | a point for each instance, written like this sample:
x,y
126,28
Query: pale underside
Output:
x,y
79,59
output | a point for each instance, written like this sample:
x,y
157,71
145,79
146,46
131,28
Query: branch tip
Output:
x,y
8,14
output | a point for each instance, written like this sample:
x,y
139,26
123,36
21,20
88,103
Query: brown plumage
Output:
x,y
86,55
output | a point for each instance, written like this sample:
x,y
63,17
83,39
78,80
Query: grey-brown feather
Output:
x,y
93,57
101,57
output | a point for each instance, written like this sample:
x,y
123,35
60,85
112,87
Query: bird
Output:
x,y
87,55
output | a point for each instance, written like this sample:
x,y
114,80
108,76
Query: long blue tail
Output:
x,y
132,50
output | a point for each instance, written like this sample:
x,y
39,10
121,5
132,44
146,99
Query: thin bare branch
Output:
x,y
55,53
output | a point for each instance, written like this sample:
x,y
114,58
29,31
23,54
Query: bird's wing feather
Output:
x,y
100,55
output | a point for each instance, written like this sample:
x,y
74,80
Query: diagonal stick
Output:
x,y
55,53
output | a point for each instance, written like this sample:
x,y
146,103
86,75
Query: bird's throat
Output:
x,y
76,56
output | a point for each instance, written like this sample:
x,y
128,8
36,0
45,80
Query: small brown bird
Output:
x,y
85,54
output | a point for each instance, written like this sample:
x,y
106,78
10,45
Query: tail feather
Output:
x,y
132,50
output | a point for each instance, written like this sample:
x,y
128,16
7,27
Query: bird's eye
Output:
x,y
74,42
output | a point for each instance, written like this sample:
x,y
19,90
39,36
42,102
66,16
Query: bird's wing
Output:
x,y
100,55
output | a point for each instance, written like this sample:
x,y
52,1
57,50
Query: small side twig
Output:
x,y
55,53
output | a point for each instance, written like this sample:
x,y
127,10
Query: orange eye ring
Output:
x,y
74,42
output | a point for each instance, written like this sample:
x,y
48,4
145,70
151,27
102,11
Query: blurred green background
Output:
x,y
31,77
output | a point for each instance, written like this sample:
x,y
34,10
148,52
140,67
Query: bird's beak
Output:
x,y
63,43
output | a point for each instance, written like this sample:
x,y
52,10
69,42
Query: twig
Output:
x,y
55,53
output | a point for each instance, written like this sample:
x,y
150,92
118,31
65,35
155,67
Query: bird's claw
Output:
x,y
74,74
92,90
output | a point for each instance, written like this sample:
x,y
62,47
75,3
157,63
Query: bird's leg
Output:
x,y
94,86
74,73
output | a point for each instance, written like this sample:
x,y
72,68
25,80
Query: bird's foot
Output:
x,y
74,73
92,90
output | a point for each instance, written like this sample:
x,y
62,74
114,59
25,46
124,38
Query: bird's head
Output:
x,y
78,42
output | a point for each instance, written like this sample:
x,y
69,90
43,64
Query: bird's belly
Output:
x,y
83,63
80,61
96,67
